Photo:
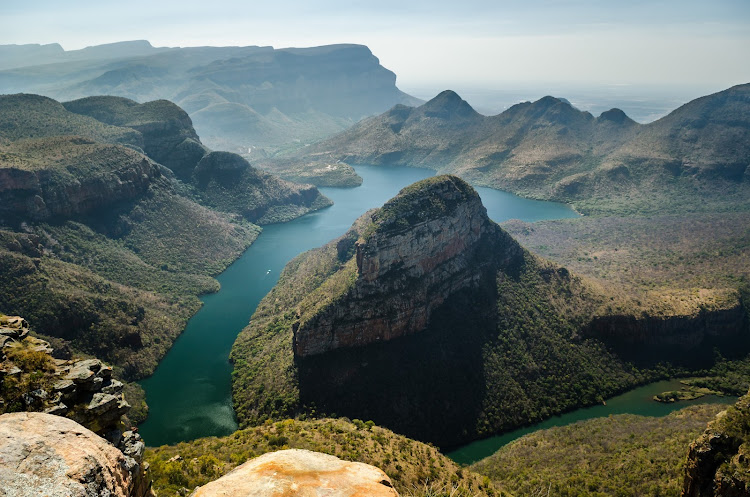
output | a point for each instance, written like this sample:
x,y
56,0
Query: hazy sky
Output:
x,y
440,43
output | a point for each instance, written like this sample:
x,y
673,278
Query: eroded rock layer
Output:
x,y
420,249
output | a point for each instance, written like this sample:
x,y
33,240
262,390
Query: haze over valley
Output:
x,y
425,249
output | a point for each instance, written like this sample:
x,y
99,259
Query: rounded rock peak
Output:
x,y
616,116
448,104
425,200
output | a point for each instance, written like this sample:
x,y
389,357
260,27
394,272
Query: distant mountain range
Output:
x,y
549,149
239,98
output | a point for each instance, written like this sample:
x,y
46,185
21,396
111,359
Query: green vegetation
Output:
x,y
117,268
123,112
72,158
659,266
728,377
621,455
228,183
412,205
683,394
415,468
34,116
519,359
316,172
717,462
36,369
122,298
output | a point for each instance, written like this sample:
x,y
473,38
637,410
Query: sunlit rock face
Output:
x,y
42,454
421,248
300,472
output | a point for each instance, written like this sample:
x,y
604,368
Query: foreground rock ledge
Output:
x,y
42,454
300,472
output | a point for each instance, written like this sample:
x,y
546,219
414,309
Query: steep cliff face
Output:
x,y
718,462
69,176
420,249
425,317
683,339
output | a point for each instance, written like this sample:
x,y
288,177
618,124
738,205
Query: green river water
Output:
x,y
189,395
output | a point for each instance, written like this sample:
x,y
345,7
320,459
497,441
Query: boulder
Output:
x,y
41,454
300,472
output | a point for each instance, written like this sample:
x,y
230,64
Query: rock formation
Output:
x,y
77,176
419,319
41,454
718,462
682,339
83,390
422,247
300,472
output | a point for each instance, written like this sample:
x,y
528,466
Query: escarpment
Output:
x,y
686,339
107,234
427,318
420,249
64,177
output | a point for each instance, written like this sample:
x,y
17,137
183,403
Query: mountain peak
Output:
x,y
616,116
548,101
423,201
448,104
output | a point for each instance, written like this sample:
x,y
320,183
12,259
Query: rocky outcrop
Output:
x,y
82,390
390,322
93,177
41,454
423,246
300,472
718,462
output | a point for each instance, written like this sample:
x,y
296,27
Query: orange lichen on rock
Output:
x,y
300,473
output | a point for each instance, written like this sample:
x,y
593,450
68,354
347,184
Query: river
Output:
x,y
637,401
189,394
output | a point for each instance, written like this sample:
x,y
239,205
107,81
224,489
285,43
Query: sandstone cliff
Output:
x,y
425,317
63,177
718,462
300,472
685,339
422,247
